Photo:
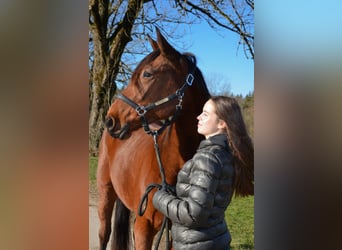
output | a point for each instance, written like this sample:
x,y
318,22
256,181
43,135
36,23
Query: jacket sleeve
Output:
x,y
192,209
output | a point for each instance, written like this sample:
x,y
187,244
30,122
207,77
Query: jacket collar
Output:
x,y
219,139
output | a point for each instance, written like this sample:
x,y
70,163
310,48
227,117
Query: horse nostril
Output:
x,y
110,123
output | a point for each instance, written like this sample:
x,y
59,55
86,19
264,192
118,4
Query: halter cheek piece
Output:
x,y
142,110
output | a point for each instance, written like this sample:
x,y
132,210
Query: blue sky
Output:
x,y
218,54
299,32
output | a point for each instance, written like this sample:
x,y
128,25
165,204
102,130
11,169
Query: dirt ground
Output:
x,y
93,220
94,223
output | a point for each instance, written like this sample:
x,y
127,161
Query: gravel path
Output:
x,y
93,219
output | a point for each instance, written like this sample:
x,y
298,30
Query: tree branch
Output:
x,y
241,32
205,12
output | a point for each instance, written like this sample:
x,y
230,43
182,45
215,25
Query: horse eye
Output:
x,y
147,74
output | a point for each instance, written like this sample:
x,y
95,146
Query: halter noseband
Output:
x,y
142,110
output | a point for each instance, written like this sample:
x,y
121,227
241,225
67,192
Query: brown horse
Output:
x,y
165,95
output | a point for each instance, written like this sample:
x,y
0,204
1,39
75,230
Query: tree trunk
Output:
x,y
107,58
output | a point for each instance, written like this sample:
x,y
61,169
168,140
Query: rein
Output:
x,y
141,111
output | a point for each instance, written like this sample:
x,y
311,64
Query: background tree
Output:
x,y
117,40
218,84
248,113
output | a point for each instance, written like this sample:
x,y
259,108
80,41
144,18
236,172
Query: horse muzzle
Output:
x,y
114,128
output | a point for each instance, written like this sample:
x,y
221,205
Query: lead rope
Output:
x,y
144,199
143,202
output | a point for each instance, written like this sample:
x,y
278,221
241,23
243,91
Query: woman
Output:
x,y
222,165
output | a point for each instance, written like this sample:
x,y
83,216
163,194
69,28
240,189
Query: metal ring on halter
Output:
x,y
189,79
141,110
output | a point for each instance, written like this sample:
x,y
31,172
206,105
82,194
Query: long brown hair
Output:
x,y
228,110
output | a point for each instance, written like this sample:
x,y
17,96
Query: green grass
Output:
x,y
240,221
92,169
239,216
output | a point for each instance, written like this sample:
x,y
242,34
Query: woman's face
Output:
x,y
208,122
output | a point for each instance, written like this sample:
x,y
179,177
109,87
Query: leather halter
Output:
x,y
142,110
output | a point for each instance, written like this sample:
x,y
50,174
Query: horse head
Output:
x,y
154,93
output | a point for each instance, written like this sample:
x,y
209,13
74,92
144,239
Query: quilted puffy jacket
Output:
x,y
203,191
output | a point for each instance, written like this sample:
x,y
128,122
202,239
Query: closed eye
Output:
x,y
147,74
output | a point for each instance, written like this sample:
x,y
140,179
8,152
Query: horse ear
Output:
x,y
153,43
165,48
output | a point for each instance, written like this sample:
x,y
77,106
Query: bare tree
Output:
x,y
117,40
218,84
108,46
234,15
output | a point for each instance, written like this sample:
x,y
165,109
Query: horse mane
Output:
x,y
201,84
